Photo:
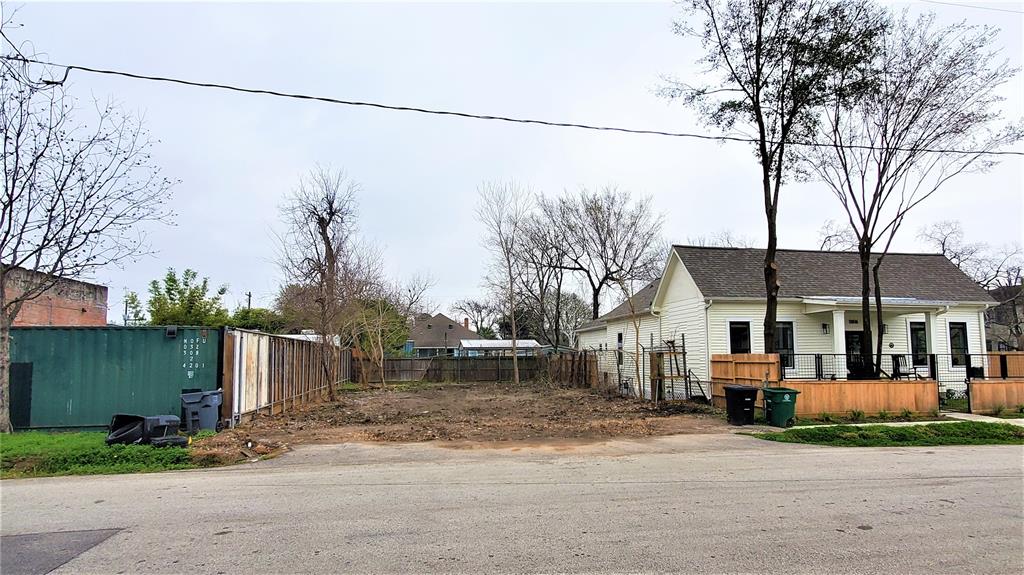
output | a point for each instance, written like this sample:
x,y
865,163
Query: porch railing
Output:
x,y
949,367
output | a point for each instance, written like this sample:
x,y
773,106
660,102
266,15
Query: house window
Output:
x,y
958,342
618,348
739,337
784,343
919,343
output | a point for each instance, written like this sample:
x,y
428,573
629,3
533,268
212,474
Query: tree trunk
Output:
x,y
595,302
771,284
865,309
5,376
879,321
515,332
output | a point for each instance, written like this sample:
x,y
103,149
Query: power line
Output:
x,y
472,116
959,5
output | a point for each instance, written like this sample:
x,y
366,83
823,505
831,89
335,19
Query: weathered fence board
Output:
x,y
575,369
270,374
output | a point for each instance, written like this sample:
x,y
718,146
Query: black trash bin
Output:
x,y
127,428
739,404
202,410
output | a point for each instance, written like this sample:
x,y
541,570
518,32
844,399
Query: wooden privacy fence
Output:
x,y
1010,363
575,369
271,374
990,395
817,397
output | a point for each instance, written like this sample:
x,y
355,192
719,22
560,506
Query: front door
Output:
x,y
854,351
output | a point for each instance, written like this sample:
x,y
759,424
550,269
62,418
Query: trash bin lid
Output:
x,y
739,387
777,390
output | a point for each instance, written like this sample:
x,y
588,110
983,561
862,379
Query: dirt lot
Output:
x,y
475,413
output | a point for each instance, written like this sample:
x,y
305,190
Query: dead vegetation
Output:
x,y
483,413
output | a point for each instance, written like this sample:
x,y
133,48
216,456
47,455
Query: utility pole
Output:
x,y
248,303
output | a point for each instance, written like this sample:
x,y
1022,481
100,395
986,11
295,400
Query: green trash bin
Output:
x,y
780,406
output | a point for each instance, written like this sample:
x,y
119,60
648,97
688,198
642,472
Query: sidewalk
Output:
x,y
976,417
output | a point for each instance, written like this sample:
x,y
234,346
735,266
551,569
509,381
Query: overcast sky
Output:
x,y
238,155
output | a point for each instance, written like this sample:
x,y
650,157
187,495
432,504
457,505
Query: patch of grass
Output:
x,y
959,433
883,415
858,416
40,454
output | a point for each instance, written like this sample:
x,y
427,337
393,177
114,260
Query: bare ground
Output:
x,y
464,414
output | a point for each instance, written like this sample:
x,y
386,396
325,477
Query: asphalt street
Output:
x,y
694,504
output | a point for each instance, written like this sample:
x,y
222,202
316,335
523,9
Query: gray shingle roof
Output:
x,y
738,272
430,331
642,301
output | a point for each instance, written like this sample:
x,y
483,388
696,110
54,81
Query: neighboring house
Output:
x,y
68,303
499,347
432,335
1004,327
713,298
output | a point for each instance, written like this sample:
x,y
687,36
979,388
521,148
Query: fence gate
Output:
x,y
953,374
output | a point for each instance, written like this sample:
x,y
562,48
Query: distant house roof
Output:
x,y
738,272
437,331
641,303
499,344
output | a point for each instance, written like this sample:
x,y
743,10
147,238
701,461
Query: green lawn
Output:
x,y
960,433
39,454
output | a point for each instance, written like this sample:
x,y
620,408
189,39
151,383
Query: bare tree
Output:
x,y
503,210
607,238
721,239
320,253
481,313
998,270
931,88
75,198
541,276
836,237
774,57
382,316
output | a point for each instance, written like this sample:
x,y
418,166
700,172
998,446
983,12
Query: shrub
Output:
x,y
906,414
856,415
998,409
827,418
883,415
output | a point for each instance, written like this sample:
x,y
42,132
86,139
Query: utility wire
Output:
x,y
329,100
959,5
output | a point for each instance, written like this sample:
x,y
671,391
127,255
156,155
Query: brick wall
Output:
x,y
68,303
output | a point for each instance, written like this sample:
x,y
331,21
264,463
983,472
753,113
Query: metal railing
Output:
x,y
839,366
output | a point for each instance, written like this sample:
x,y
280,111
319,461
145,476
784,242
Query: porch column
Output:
x,y
838,331
931,329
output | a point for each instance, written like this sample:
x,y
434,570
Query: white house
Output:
x,y
713,298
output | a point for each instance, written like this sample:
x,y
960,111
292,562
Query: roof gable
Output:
x,y
738,272
431,331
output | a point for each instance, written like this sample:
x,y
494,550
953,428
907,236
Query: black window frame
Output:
x,y
959,354
732,349
787,358
618,348
919,357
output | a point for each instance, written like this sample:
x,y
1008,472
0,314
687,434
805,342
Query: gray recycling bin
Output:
x,y
202,410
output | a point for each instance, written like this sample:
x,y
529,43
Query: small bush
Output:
x,y
998,409
825,417
856,415
884,415
934,412
1020,408
906,414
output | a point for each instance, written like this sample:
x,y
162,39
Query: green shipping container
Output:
x,y
75,377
